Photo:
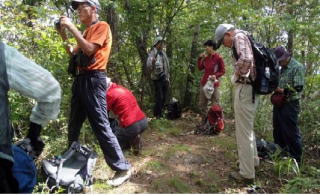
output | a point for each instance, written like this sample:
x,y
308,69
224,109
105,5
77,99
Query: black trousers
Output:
x,y
161,92
285,128
126,135
8,183
89,100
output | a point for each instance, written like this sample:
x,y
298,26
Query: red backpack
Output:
x,y
214,123
215,117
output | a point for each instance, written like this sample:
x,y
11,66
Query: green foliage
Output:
x,y
286,167
28,26
302,186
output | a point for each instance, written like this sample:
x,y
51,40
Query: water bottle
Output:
x,y
267,72
264,85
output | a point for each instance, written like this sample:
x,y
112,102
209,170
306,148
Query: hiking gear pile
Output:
x,y
213,124
265,148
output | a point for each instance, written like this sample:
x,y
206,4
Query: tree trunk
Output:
x,y
291,32
290,41
192,61
113,21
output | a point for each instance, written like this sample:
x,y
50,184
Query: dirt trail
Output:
x,y
175,161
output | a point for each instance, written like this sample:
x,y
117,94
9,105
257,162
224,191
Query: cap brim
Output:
x,y
284,57
218,44
75,3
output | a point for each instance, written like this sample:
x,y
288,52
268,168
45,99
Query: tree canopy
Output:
x,y
28,25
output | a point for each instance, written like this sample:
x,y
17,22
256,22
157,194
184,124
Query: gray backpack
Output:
x,y
73,170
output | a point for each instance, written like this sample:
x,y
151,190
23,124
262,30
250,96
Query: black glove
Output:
x,y
34,135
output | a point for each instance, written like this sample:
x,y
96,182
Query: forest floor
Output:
x,y
174,160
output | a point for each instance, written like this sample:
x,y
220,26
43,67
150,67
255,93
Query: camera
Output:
x,y
162,76
57,23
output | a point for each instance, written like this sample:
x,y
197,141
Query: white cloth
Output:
x,y
31,80
245,110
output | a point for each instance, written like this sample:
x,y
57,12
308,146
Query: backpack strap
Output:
x,y
63,159
236,56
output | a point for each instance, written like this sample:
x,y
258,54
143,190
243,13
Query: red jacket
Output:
x,y
212,65
123,104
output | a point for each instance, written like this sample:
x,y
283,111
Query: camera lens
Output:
x,y
57,23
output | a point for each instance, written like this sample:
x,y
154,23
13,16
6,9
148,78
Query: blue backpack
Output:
x,y
24,170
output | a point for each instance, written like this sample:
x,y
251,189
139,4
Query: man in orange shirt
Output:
x,y
89,87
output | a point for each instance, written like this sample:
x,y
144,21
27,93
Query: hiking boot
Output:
x,y
33,147
240,179
136,145
38,146
119,178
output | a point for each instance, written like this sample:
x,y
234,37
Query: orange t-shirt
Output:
x,y
99,34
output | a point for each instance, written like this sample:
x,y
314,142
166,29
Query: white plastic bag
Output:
x,y
208,88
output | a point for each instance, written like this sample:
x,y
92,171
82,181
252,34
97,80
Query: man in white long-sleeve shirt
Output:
x,y
29,79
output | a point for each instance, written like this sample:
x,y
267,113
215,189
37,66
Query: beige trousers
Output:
x,y
203,101
245,110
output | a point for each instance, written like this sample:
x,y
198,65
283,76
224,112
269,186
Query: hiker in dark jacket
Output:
x,y
285,113
213,66
131,121
31,80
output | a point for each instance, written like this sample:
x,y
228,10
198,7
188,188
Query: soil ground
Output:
x,y
174,160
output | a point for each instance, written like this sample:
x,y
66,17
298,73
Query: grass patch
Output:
x,y
302,185
174,149
146,152
174,131
307,182
211,188
209,183
194,175
286,167
228,144
165,127
161,124
225,142
213,177
101,187
156,166
171,185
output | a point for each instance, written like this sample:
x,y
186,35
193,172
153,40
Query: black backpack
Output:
x,y
267,67
266,149
174,109
73,170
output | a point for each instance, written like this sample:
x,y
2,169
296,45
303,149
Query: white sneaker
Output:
x,y
119,178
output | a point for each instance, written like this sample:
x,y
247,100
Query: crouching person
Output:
x,y
31,80
132,121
